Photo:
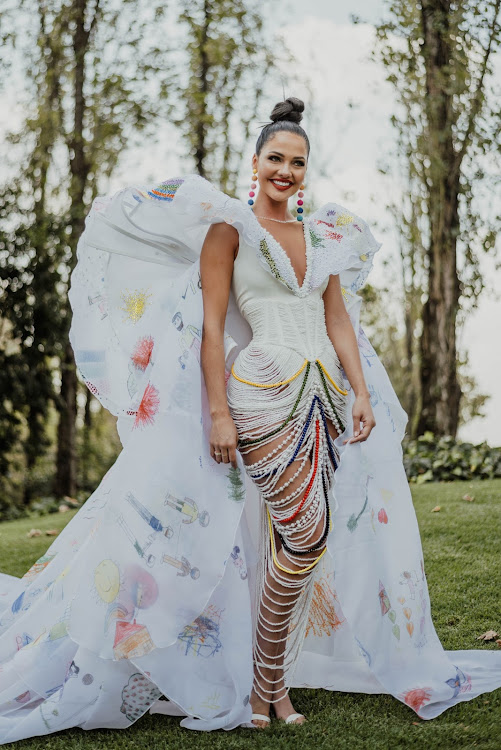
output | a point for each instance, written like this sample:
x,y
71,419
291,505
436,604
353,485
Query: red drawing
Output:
x,y
417,697
148,407
382,516
141,355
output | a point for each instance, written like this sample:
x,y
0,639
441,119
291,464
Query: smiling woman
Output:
x,y
257,531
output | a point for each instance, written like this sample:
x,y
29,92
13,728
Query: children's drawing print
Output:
x,y
353,520
366,348
238,562
145,414
141,354
188,509
212,702
190,340
131,640
134,304
201,637
38,566
107,580
183,566
417,697
382,516
323,618
386,609
460,683
364,652
236,489
137,695
142,548
101,303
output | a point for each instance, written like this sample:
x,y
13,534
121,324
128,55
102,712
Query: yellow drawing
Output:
x,y
107,580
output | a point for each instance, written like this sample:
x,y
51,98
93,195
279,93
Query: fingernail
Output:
x,y
355,434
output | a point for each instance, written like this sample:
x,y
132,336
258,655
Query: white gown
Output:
x,y
149,588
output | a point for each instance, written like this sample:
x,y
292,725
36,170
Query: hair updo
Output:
x,y
285,116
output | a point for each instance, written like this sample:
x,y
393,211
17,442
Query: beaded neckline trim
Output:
x,y
292,283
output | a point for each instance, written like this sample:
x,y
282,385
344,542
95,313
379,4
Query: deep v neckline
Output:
x,y
300,287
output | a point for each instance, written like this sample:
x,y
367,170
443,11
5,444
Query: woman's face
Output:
x,y
281,165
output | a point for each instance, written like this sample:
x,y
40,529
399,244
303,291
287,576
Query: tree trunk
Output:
x,y
440,391
66,473
79,170
201,149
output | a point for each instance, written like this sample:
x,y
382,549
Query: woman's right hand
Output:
x,y
223,440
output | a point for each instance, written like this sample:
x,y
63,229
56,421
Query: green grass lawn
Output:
x,y
462,550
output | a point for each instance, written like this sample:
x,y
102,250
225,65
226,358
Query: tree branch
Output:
x,y
477,97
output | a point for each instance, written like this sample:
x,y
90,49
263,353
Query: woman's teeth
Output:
x,y
279,183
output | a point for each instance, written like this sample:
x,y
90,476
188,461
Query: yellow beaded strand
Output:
x,y
344,393
269,385
286,570
289,380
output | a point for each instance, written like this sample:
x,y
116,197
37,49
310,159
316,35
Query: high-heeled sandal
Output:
x,y
260,717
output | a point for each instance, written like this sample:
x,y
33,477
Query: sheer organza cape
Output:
x,y
149,589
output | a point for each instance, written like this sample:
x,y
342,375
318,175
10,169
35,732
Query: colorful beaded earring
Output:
x,y
253,187
300,202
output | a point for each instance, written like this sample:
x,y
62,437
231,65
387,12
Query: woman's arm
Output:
x,y
216,269
344,341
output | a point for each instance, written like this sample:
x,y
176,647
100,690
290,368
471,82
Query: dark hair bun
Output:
x,y
290,109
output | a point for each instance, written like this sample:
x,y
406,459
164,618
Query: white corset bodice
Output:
x,y
275,314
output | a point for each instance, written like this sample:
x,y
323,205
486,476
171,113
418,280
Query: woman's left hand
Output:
x,y
363,419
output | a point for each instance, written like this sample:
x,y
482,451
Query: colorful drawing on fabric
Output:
x,y
323,618
386,609
148,407
460,683
353,520
135,304
102,304
316,239
194,286
238,562
131,640
38,566
365,347
107,580
23,640
382,516
374,395
140,586
364,652
141,548
201,637
416,697
190,340
187,508
212,702
411,580
141,355
138,695
236,489
183,566
166,191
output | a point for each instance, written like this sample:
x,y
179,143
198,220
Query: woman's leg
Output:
x,y
293,482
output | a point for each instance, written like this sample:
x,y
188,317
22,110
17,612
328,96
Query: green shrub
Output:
x,y
431,459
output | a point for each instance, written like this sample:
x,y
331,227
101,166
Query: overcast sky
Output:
x,y
348,143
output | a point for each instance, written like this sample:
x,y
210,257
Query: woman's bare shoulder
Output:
x,y
223,232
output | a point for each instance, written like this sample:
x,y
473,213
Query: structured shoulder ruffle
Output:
x,y
344,245
167,224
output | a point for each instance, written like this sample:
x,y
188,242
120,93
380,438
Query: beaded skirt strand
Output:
x,y
283,428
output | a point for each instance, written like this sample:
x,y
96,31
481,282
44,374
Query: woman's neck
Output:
x,y
266,206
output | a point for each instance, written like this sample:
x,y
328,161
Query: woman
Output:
x,y
248,538
278,397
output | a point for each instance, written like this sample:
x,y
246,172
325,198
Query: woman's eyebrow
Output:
x,y
279,154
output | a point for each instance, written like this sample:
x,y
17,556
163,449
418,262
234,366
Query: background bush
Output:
x,y
432,459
